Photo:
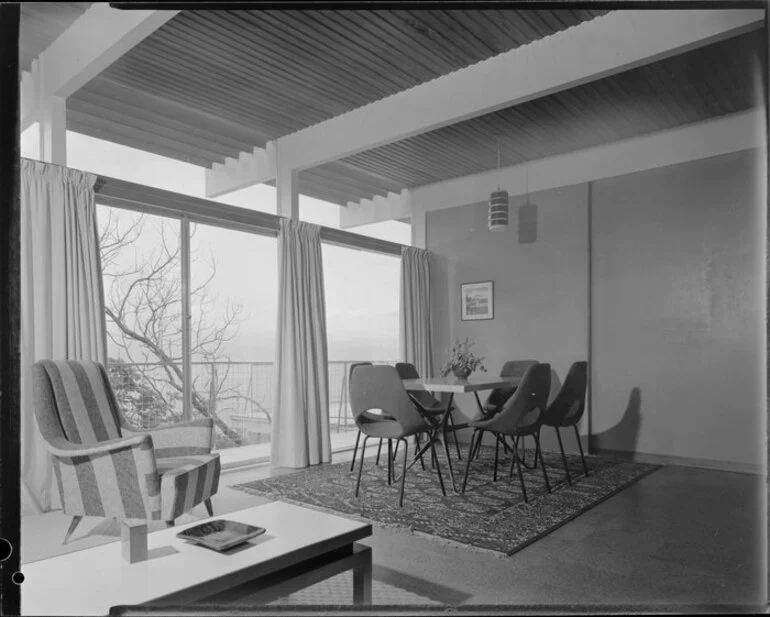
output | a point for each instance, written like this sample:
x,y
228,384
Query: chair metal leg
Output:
x,y
518,466
73,524
478,444
438,469
403,473
454,437
390,460
209,507
470,457
417,451
377,462
542,462
361,466
355,450
577,436
497,450
563,456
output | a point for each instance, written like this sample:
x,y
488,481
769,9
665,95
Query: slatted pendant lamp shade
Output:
x,y
498,202
498,209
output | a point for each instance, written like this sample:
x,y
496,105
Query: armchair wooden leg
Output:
x,y
361,466
470,456
355,450
563,456
209,507
577,436
73,524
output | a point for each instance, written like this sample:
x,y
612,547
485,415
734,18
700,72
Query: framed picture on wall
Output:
x,y
477,301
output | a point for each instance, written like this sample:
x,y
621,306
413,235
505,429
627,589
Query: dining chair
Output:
x,y
567,408
380,388
428,404
358,436
497,397
522,414
106,467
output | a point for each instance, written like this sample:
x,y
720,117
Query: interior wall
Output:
x,y
678,311
540,284
677,301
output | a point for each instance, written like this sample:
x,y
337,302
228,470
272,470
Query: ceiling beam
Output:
x,y
723,135
94,41
607,45
610,44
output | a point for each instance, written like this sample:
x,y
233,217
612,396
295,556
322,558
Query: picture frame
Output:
x,y
477,301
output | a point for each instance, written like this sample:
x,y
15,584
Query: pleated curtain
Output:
x,y
300,423
415,337
62,301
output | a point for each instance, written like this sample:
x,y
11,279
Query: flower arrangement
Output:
x,y
462,362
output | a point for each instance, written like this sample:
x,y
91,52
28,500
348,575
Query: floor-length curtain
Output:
x,y
415,338
300,424
62,302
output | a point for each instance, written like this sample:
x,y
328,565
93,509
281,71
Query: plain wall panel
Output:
x,y
678,311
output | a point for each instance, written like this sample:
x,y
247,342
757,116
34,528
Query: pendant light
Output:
x,y
498,201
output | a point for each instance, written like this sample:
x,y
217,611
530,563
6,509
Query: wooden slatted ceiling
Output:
x,y
276,72
704,83
41,24
210,84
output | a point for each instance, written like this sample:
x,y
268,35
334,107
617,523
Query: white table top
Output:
x,y
453,384
90,581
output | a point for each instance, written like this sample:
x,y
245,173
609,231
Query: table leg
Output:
x,y
442,436
134,540
362,576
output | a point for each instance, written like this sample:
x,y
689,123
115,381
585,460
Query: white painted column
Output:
x,y
53,130
419,227
286,191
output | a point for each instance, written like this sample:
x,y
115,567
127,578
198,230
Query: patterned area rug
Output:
x,y
489,516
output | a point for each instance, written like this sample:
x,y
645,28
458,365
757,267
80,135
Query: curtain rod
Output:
x,y
162,202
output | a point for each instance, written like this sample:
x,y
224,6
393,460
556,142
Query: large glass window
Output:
x,y
233,288
362,304
142,275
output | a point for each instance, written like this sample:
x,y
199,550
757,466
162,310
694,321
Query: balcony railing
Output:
x,y
238,395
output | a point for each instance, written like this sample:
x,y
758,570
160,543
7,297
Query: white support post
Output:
x,y
419,227
53,131
287,194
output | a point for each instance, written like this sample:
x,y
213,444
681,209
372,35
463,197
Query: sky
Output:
x,y
362,288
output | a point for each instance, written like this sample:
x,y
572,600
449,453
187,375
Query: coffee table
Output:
x,y
301,547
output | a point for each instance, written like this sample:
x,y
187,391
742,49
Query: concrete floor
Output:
x,y
681,537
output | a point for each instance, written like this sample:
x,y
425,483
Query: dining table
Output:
x,y
454,385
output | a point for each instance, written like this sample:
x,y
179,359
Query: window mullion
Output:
x,y
186,321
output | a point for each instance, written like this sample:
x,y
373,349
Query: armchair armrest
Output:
x,y
181,439
61,448
113,479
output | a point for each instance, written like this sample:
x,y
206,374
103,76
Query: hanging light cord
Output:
x,y
498,163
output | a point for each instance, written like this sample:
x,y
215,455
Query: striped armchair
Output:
x,y
106,468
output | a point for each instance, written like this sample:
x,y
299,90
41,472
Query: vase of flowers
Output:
x,y
462,361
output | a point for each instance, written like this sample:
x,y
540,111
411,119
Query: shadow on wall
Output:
x,y
625,434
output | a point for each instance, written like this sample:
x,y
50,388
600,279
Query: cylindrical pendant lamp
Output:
x,y
498,209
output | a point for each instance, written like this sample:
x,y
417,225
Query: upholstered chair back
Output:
x,y
76,396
